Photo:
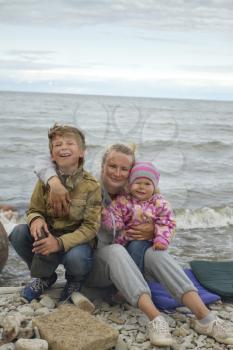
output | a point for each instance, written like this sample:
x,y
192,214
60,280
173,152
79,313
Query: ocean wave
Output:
x,y
204,217
191,143
186,218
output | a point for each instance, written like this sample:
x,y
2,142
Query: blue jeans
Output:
x,y
77,261
136,250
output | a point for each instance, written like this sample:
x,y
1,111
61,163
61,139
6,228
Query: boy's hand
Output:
x,y
36,228
59,197
46,245
141,232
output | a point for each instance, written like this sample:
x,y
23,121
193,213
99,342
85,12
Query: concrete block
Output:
x,y
72,328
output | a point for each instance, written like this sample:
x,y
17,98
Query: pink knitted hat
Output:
x,y
144,169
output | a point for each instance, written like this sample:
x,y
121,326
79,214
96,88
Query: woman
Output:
x,y
113,264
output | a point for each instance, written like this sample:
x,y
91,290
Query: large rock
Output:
x,y
3,246
71,328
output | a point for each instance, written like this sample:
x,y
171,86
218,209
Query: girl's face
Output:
x,y
142,189
115,171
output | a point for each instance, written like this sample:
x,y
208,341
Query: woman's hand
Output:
x,y
59,197
46,245
141,232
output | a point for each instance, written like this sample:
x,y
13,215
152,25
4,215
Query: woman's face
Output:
x,y
115,171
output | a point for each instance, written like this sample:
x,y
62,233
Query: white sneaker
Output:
x,y
219,329
159,334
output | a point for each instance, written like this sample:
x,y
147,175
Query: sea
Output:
x,y
189,141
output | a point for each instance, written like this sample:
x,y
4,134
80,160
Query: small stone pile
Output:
x,y
18,331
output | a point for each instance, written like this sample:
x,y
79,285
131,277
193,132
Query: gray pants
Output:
x,y
113,264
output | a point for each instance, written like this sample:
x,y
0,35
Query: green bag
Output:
x,y
216,276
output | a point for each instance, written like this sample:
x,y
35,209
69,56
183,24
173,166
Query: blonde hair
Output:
x,y
121,148
62,130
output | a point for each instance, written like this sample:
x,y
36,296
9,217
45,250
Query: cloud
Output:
x,y
220,69
26,59
150,14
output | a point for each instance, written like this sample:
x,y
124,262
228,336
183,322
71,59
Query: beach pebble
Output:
x,y
36,332
8,346
47,302
116,319
140,338
11,326
31,344
26,332
26,310
142,320
121,345
35,304
42,311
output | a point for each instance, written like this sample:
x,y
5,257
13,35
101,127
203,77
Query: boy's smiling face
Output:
x,y
66,153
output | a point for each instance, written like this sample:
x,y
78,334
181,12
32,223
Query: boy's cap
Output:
x,y
144,169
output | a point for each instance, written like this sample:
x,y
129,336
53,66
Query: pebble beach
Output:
x,y
16,317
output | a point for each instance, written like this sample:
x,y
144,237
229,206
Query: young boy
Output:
x,y
48,240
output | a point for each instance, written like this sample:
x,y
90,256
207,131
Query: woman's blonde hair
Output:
x,y
121,148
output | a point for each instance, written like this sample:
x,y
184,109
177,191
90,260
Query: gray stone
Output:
x,y
121,345
31,344
114,317
3,246
11,326
26,310
48,302
82,302
71,328
42,311
8,346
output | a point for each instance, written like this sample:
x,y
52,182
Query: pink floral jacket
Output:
x,y
126,211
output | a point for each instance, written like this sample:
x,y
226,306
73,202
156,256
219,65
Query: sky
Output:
x,y
145,48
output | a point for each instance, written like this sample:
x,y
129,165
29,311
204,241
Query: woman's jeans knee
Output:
x,y
136,250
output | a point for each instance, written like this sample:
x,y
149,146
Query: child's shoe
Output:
x,y
220,330
159,333
70,287
37,286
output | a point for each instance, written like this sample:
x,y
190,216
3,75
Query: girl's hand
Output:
x,y
59,197
46,245
159,246
141,232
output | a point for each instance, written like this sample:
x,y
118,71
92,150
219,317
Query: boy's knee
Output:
x,y
19,233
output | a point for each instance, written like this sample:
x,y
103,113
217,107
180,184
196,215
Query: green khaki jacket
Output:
x,y
83,221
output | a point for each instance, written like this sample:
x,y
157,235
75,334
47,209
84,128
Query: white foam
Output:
x,y
204,217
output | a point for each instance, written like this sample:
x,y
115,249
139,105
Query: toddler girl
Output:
x,y
143,204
